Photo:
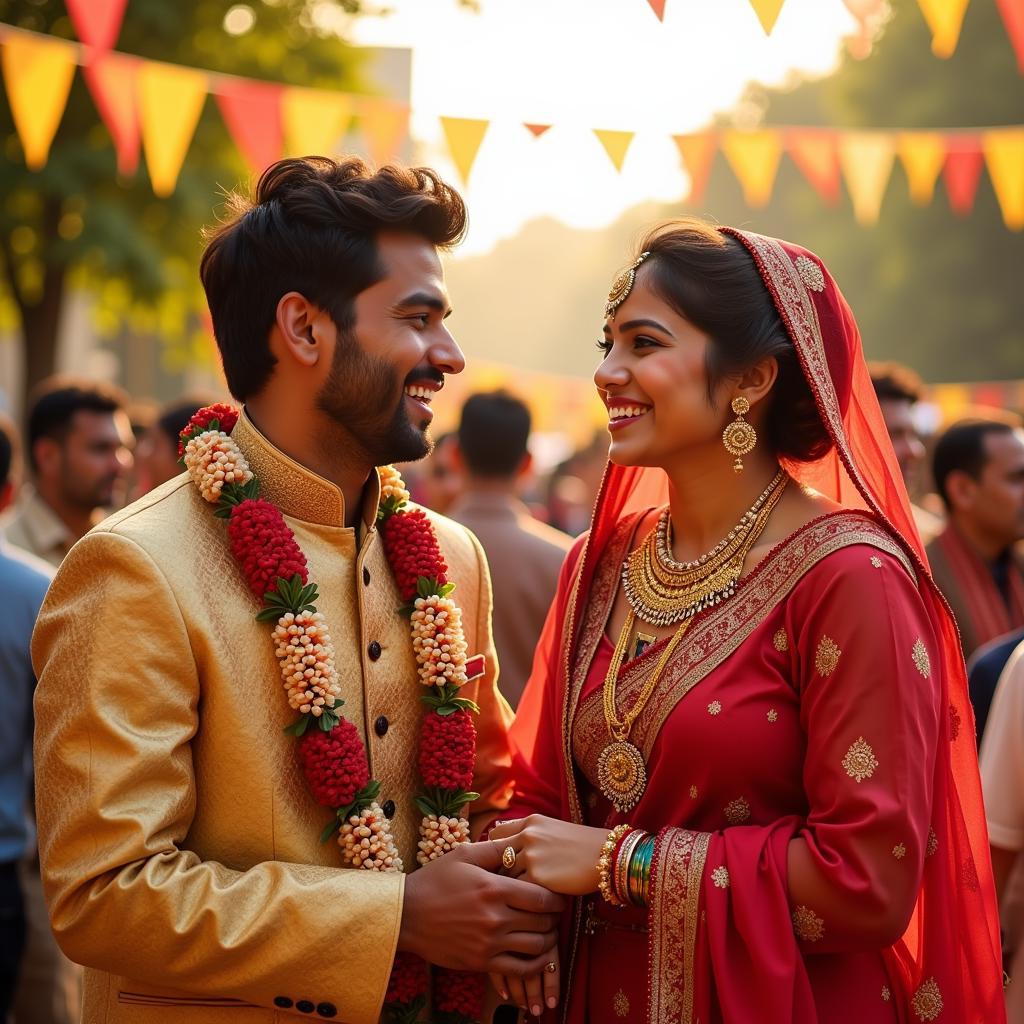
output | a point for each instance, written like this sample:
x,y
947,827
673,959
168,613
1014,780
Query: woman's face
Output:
x,y
654,383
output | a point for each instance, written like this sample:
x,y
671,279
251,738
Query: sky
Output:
x,y
580,65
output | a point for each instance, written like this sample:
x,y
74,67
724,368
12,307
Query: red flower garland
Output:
x,y
225,415
413,552
459,994
448,750
334,764
264,546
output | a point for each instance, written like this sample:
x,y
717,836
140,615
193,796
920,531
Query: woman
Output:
x,y
760,691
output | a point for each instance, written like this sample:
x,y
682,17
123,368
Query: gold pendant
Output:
x,y
622,774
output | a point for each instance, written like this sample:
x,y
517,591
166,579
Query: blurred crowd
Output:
x,y
86,450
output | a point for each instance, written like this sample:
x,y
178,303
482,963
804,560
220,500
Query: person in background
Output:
x,y
25,579
438,482
898,390
79,448
979,472
525,555
156,455
984,668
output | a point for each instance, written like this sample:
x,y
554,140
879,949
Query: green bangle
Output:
x,y
640,871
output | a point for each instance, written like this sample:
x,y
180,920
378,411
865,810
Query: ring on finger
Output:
x,y
508,858
551,967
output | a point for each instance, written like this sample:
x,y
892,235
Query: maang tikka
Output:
x,y
622,286
739,437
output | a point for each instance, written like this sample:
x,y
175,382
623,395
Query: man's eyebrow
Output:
x,y
427,299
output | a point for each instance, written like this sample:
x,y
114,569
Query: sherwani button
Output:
x,y
304,1006
366,576
380,727
389,808
327,1009
283,1001
374,650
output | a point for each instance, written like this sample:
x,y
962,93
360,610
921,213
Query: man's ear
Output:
x,y
961,488
302,329
46,454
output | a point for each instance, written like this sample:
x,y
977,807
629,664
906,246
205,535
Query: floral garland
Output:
x,y
330,750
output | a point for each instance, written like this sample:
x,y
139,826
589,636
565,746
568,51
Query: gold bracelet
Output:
x,y
623,859
604,863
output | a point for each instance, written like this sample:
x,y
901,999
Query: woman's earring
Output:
x,y
739,437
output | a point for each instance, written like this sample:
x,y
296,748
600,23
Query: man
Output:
x,y
524,555
898,390
441,481
156,454
979,472
79,447
25,579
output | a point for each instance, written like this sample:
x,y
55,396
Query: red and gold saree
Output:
x,y
823,707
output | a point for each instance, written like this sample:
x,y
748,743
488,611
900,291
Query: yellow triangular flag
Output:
x,y
170,101
37,74
767,13
754,158
945,19
922,154
464,135
384,125
616,145
314,121
866,159
1004,155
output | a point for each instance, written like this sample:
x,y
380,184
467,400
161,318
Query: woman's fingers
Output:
x,y
534,994
504,829
550,981
500,985
517,992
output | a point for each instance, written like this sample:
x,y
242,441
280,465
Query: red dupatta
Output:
x,y
954,928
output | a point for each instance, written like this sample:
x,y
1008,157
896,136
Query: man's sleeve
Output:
x,y
116,711
1001,759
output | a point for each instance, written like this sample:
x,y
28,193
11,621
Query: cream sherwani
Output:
x,y
177,836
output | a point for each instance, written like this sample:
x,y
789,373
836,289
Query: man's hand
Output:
x,y
460,913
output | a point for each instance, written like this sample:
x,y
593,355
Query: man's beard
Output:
x,y
358,395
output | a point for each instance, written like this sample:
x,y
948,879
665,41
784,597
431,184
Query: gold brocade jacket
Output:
x,y
179,842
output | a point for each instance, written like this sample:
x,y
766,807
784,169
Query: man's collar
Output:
x,y
48,531
297,491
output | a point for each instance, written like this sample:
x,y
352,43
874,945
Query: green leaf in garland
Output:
x,y
330,717
299,726
423,587
445,590
333,827
426,808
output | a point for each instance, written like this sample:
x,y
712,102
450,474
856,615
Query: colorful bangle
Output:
x,y
606,861
639,874
623,859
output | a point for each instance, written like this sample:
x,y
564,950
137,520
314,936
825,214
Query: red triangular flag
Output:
x,y
111,80
536,130
814,152
1013,17
97,22
658,6
964,161
252,112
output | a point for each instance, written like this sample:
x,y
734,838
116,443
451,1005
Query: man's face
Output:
x,y
94,456
905,442
995,502
388,367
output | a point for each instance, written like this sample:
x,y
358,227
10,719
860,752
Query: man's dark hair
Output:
x,y
962,447
172,418
53,404
493,434
896,382
311,229
9,450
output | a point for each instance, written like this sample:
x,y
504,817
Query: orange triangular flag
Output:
x,y
536,130
384,125
315,121
814,152
945,19
962,172
698,154
170,101
1013,17
252,112
37,73
1004,155
111,78
767,13
922,154
464,135
866,159
616,145
754,158
658,6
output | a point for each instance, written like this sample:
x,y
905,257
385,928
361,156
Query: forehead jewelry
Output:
x,y
622,286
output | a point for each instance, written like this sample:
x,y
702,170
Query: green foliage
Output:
x,y
288,596
444,802
445,700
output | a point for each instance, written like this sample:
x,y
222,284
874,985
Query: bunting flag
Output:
x,y
698,154
536,130
754,158
1013,18
962,172
922,155
111,78
866,159
1004,155
464,136
945,18
767,12
170,101
385,126
97,22
37,75
252,112
616,145
314,121
658,6
814,153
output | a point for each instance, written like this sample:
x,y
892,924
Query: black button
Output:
x,y
374,650
304,1006
389,808
327,1009
283,1001
366,576
380,727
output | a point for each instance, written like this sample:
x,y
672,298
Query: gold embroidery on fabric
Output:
x,y
781,640
720,876
933,843
773,715
876,561
886,994
694,874
810,273
860,761
921,660
927,1001
827,656
715,707
621,1004
807,925
899,851
737,811
693,792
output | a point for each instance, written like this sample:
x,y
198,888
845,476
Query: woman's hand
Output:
x,y
534,993
558,855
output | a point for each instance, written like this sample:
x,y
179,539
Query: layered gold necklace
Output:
x,y
662,591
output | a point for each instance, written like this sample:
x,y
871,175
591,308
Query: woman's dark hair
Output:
x,y
710,279
312,229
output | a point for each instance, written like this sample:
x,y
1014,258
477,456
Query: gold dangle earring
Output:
x,y
739,437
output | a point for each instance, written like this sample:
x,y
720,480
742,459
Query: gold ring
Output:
x,y
508,858
551,967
